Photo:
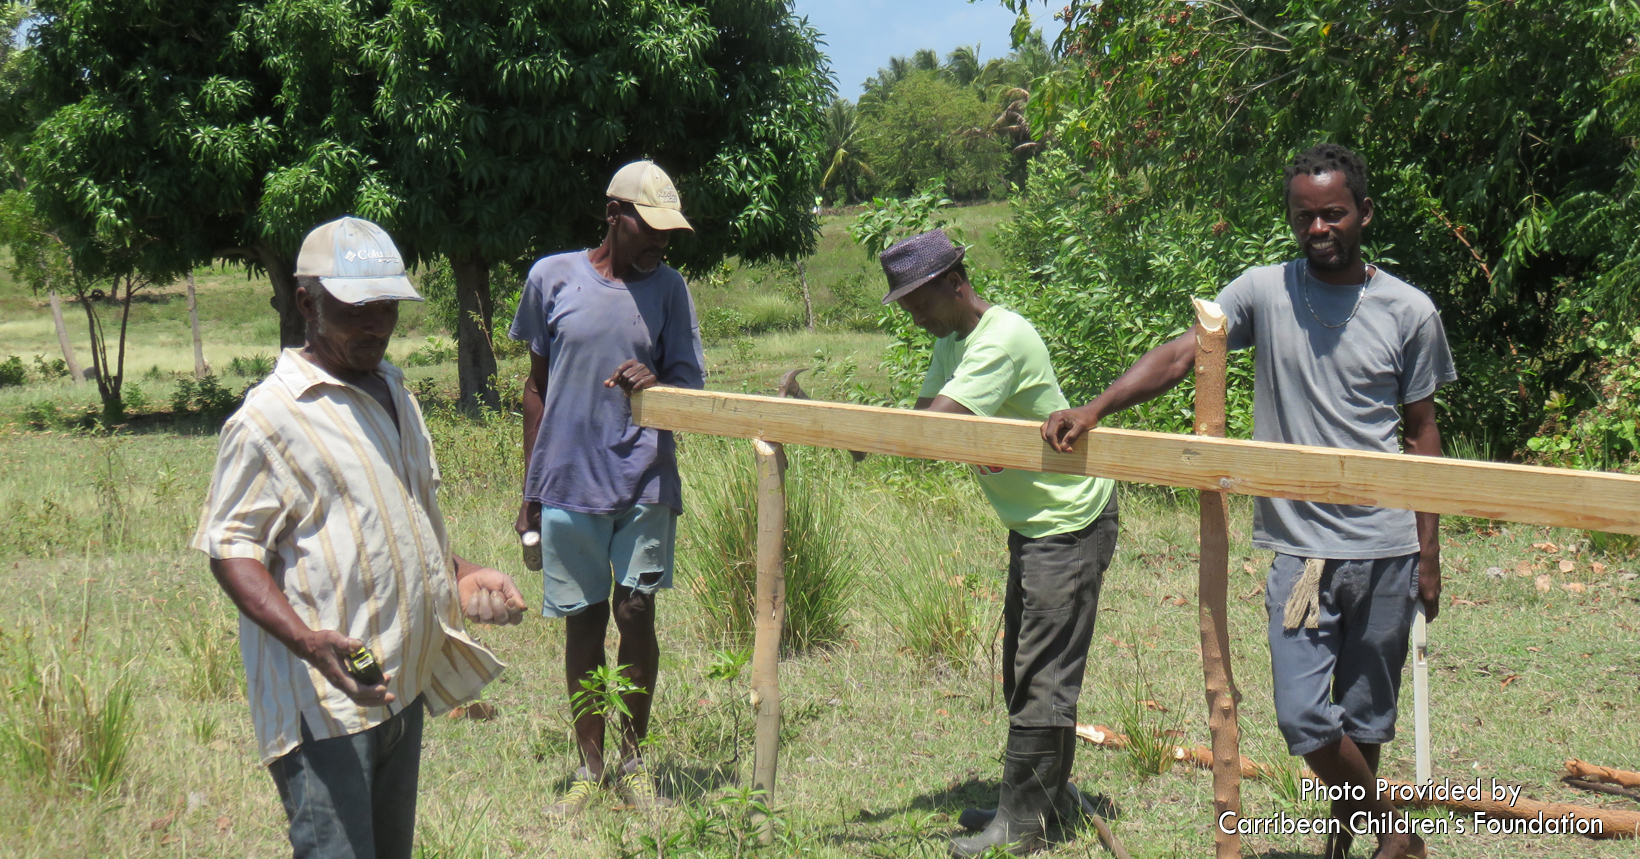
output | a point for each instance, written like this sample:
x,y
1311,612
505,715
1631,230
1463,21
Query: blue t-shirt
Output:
x,y
589,457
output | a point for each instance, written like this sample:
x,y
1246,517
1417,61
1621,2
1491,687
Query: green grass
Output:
x,y
887,734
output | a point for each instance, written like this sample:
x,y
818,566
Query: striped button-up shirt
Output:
x,y
314,480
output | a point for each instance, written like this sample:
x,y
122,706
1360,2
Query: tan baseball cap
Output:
x,y
356,261
650,191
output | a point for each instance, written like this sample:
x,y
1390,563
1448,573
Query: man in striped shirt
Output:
x,y
323,526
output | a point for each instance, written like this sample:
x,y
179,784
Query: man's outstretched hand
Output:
x,y
489,596
1064,427
631,376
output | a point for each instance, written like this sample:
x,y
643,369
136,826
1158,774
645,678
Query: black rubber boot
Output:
x,y
1070,807
1031,778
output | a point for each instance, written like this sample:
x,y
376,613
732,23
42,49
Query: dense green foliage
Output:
x,y
1499,137
164,134
920,119
930,126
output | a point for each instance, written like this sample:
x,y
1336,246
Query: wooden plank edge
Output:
x,y
1500,491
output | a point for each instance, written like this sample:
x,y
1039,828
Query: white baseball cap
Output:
x,y
650,191
356,261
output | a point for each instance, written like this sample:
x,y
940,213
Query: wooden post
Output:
x,y
1212,584
63,342
771,616
808,301
193,323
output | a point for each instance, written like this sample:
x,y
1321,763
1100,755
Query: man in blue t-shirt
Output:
x,y
602,492
1340,345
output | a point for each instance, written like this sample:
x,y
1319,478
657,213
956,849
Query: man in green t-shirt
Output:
x,y
1061,535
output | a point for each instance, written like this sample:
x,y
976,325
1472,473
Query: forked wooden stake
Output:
x,y
771,616
1212,584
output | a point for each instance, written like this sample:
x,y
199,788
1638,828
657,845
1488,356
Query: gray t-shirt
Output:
x,y
589,457
1328,386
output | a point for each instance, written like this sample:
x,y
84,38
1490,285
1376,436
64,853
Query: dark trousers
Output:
x,y
1048,616
353,797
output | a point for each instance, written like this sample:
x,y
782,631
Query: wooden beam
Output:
x,y
1594,500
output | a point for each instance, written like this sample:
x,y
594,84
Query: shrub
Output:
x,y
718,324
133,397
722,549
51,370
12,372
205,397
435,351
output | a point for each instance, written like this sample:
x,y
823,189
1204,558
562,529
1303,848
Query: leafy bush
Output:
x,y
859,303
132,397
1498,197
1604,435
721,551
435,351
927,127
205,397
720,323
12,372
51,370
48,416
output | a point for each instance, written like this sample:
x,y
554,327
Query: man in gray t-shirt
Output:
x,y
602,493
1345,354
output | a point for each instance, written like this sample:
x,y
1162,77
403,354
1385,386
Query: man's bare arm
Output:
x,y
535,392
251,587
1423,438
942,404
1154,374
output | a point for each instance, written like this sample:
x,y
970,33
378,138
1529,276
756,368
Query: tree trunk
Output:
x,y
475,356
200,369
74,371
1212,583
771,616
808,301
281,269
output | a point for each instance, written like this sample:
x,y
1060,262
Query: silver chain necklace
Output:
x,y
1371,270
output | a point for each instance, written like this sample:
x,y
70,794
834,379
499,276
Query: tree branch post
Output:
x,y
1212,584
63,343
193,324
771,616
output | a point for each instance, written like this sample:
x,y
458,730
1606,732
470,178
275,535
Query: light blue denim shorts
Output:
x,y
584,554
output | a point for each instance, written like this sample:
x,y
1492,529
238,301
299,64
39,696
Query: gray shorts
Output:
x,y
1343,678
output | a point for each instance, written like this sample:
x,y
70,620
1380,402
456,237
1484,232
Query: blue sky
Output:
x,y
861,35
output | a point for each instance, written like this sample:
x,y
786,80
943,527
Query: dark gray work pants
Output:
x,y
1048,616
354,797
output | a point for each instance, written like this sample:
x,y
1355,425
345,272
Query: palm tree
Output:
x,y
844,166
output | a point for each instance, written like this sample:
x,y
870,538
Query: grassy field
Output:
x,y
883,745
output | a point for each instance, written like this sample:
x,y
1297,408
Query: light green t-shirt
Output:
x,y
1001,369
